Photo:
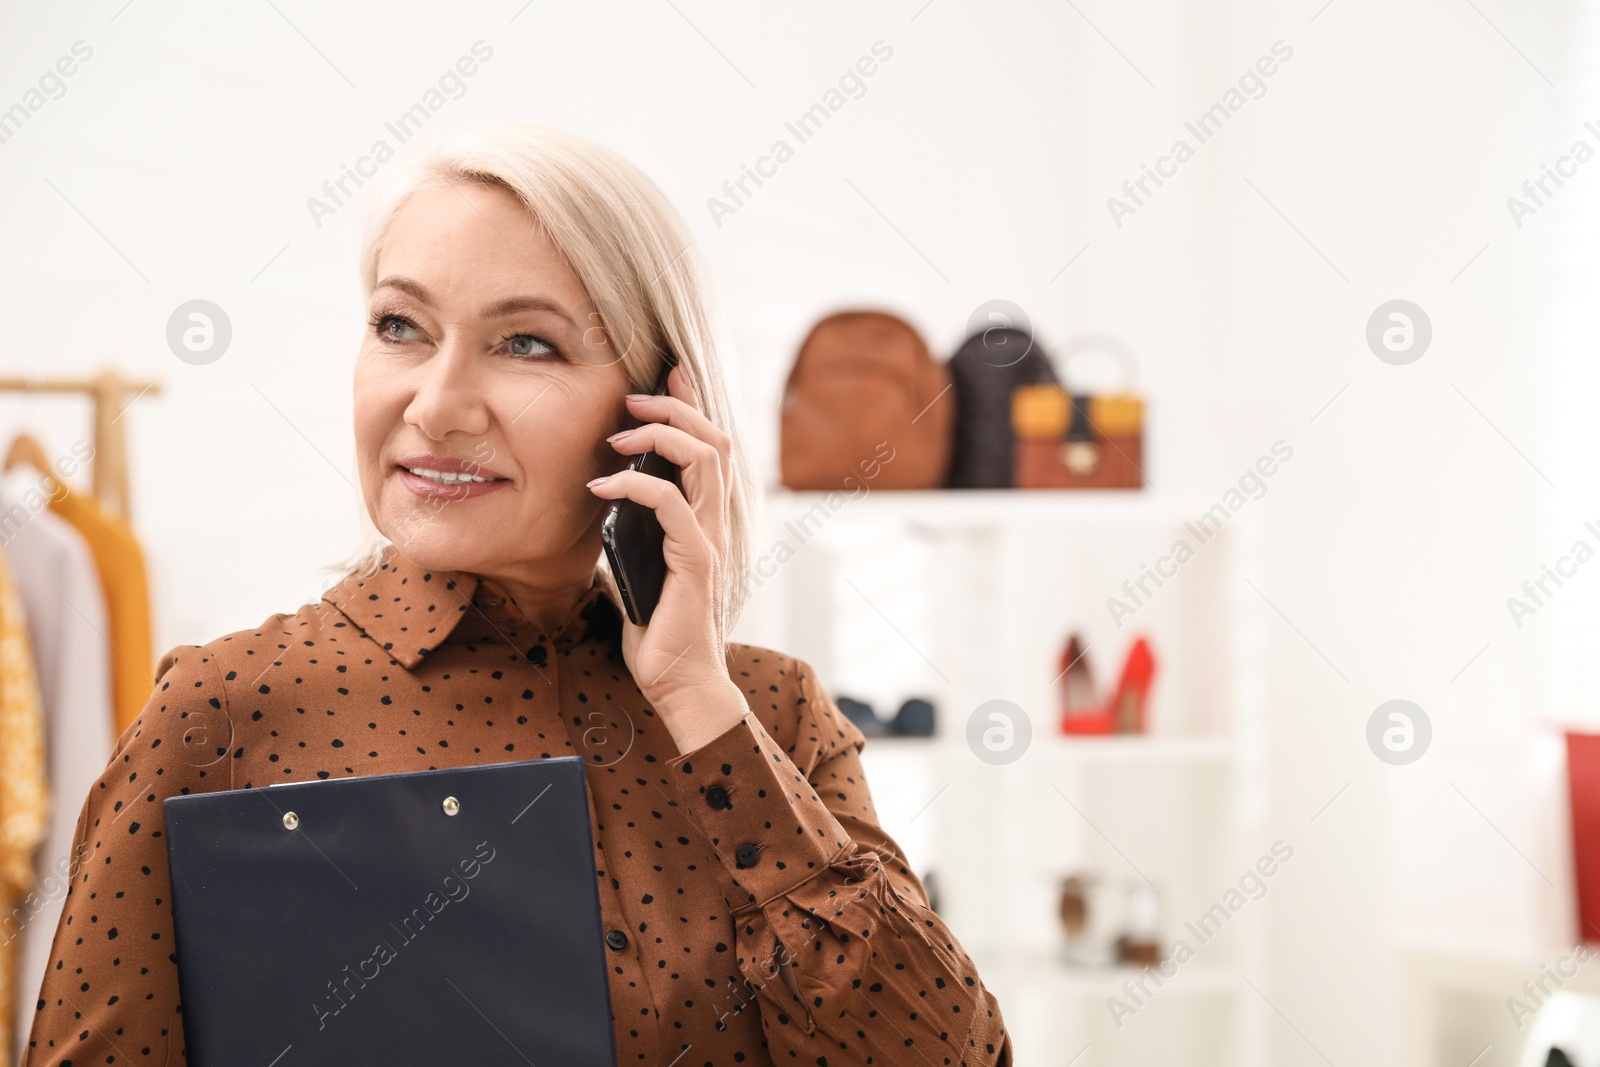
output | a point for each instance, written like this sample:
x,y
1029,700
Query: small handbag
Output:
x,y
1067,439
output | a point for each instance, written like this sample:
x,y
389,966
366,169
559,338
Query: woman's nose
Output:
x,y
450,394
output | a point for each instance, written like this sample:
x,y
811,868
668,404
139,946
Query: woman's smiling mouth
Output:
x,y
429,475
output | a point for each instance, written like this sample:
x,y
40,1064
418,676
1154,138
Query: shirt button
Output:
x,y
746,856
617,940
717,797
536,655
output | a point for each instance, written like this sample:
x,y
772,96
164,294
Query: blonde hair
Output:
x,y
636,260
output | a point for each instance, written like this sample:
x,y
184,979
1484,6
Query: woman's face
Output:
x,y
481,360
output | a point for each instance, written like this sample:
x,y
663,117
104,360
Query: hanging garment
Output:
x,y
24,800
120,561
66,612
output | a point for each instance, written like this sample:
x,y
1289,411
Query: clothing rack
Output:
x,y
111,393
94,676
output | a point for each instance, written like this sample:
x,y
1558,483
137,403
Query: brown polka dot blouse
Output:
x,y
412,670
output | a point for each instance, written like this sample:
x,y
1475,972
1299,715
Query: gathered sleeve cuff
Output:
x,y
837,945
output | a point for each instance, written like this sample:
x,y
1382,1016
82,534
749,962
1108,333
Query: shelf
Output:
x,y
989,507
1046,973
1147,748
1458,957
986,584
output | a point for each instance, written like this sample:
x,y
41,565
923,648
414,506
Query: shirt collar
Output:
x,y
409,611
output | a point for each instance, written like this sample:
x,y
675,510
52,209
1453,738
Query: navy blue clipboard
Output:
x,y
442,916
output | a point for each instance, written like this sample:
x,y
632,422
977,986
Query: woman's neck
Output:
x,y
545,606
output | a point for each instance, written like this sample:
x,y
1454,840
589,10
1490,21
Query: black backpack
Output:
x,y
984,371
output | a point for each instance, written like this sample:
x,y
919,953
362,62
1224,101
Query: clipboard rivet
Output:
x,y
451,806
291,821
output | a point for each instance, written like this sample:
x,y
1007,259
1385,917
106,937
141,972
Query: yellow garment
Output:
x,y
120,561
24,800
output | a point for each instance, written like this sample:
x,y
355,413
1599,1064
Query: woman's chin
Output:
x,y
437,549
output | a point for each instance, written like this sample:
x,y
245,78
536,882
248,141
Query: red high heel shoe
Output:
x,y
1128,707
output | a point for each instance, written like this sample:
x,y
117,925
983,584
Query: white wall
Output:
x,y
977,165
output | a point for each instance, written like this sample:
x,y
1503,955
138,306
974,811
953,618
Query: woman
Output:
x,y
524,292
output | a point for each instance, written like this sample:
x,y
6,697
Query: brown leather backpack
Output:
x,y
865,398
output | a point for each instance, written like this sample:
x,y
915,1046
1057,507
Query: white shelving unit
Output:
x,y
1455,1000
965,597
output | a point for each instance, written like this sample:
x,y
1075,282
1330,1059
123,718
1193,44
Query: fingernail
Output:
x,y
638,396
619,434
598,480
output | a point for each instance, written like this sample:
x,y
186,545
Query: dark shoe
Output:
x,y
915,719
863,716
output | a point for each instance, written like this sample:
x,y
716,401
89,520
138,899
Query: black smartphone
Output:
x,y
632,535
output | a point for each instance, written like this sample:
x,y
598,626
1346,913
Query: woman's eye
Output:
x,y
527,345
394,328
